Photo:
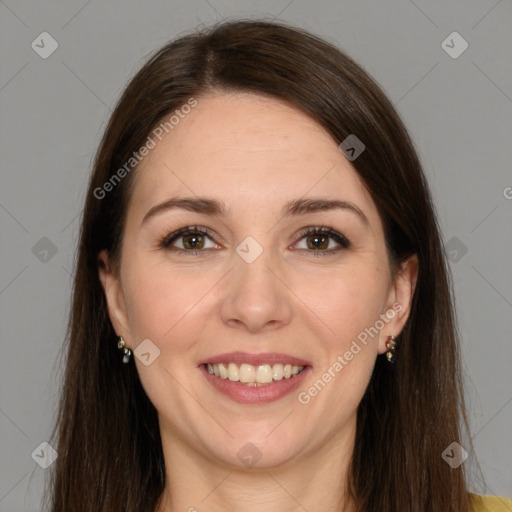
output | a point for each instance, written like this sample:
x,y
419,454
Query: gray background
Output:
x,y
53,112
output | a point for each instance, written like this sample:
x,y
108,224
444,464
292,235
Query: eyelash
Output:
x,y
166,241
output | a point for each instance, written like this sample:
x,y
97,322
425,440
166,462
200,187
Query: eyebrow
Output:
x,y
208,206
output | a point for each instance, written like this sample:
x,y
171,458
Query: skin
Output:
x,y
255,154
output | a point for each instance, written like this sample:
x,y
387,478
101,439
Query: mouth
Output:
x,y
255,378
251,375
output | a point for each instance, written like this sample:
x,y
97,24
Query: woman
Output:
x,y
262,315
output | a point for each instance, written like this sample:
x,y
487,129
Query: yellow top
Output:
x,y
491,504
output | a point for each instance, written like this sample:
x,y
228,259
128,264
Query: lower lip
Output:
x,y
256,394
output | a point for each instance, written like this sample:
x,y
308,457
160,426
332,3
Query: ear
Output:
x,y
111,282
399,300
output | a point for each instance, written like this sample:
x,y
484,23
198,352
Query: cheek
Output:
x,y
165,304
349,306
347,301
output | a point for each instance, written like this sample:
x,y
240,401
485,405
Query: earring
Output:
x,y
127,351
391,345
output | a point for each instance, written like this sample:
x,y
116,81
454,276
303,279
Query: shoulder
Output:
x,y
490,504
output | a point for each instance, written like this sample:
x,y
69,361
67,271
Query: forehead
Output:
x,y
246,149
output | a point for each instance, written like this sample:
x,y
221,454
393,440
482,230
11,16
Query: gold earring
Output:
x,y
127,351
391,345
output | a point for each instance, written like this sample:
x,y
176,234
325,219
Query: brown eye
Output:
x,y
316,242
190,240
322,240
193,241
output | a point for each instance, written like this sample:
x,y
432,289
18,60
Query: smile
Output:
x,y
251,375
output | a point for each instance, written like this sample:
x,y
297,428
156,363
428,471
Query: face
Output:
x,y
257,278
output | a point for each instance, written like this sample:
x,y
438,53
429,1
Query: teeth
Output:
x,y
247,373
264,374
223,371
233,372
253,375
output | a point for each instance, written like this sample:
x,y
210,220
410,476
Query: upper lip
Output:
x,y
255,359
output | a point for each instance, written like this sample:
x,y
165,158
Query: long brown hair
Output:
x,y
107,435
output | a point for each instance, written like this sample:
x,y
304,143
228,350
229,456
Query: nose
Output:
x,y
257,298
